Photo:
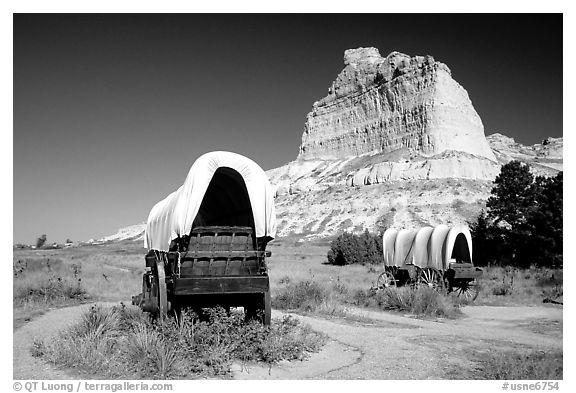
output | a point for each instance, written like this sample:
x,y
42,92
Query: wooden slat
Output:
x,y
192,254
216,285
221,228
234,268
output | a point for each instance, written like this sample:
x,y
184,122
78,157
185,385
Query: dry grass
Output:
x,y
109,272
112,272
513,286
335,299
534,365
121,342
44,282
420,301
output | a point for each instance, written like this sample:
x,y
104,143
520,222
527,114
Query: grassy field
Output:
x,y
48,278
112,272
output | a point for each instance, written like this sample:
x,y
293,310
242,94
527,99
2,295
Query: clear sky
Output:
x,y
110,111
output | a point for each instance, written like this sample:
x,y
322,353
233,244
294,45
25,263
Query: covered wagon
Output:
x,y
207,240
440,257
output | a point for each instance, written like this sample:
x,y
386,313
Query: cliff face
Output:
x,y
382,105
395,143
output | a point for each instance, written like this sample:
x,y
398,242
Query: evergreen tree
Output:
x,y
523,223
512,195
545,221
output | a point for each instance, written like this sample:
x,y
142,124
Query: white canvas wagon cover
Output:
x,y
427,246
222,188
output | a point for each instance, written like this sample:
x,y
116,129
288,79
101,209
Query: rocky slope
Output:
x,y
544,158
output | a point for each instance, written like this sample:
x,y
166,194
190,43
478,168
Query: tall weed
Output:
x,y
46,281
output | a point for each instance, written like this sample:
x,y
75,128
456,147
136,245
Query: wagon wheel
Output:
x,y
385,280
431,277
467,290
159,292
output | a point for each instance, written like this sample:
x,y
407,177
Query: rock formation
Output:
x,y
132,232
385,104
544,158
396,142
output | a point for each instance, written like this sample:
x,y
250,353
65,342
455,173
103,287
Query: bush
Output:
x,y
420,301
349,248
521,366
122,343
303,295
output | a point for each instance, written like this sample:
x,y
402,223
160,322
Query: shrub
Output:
x,y
535,365
349,248
121,342
303,295
420,301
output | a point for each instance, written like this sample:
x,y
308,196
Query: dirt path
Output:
x,y
381,346
394,346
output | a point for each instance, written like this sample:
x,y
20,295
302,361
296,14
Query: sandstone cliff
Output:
x,y
385,104
396,142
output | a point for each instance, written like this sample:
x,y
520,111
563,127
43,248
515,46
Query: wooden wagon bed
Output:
x,y
221,265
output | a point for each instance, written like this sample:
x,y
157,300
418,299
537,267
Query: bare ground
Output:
x,y
383,346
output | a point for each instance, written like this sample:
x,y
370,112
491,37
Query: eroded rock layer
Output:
x,y
383,104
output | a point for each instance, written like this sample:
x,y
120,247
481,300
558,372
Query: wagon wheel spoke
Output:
x,y
467,290
385,280
431,277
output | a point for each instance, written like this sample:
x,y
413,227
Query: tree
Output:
x,y
545,221
512,195
41,241
509,207
523,222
